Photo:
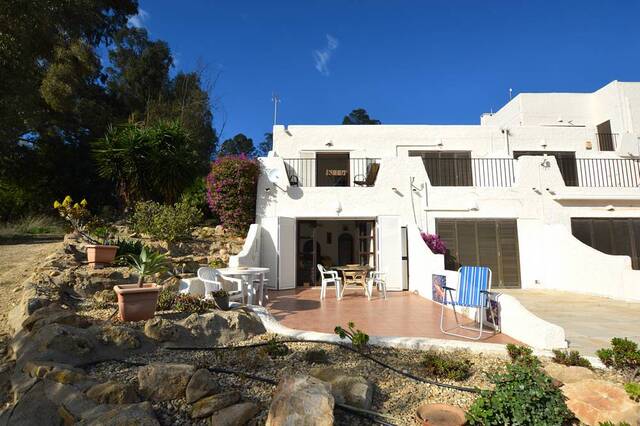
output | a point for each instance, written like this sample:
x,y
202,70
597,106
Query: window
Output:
x,y
620,236
566,163
332,169
447,168
484,242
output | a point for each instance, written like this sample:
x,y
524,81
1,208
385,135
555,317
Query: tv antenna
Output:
x,y
510,92
276,100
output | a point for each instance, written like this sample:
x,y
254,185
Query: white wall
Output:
x,y
250,253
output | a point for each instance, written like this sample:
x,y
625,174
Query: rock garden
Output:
x,y
74,360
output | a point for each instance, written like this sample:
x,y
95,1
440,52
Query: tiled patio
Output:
x,y
402,314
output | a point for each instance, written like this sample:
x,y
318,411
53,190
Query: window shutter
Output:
x,y
467,243
488,249
509,254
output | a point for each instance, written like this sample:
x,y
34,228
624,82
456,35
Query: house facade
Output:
x,y
546,192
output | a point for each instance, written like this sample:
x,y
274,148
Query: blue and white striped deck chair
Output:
x,y
474,287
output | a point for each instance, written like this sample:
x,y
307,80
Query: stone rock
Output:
x,y
53,314
40,369
440,415
202,384
301,400
346,389
134,414
220,328
33,409
160,329
67,418
105,296
316,356
210,404
68,396
598,401
113,393
219,230
235,415
120,336
568,374
163,382
66,375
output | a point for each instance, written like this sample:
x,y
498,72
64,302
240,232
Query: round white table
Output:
x,y
247,274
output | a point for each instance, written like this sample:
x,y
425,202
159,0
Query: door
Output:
x,y
390,250
286,253
485,242
620,236
605,137
345,249
566,163
332,169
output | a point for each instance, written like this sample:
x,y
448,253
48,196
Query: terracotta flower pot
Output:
x,y
137,303
100,255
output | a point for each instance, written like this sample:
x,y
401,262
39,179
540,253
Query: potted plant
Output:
x,y
137,302
99,251
221,299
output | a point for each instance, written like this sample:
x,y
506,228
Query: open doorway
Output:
x,y
332,243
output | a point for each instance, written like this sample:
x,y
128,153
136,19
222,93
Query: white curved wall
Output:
x,y
250,253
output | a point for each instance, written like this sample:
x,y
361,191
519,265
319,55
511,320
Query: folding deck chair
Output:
x,y
474,288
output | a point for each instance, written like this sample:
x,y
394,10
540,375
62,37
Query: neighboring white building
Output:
x,y
528,192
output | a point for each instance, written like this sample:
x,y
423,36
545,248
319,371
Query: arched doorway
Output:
x,y
345,249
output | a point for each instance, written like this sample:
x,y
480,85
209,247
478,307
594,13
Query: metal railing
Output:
x,y
476,172
308,172
605,173
607,141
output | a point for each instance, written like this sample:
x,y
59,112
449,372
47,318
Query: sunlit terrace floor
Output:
x,y
402,314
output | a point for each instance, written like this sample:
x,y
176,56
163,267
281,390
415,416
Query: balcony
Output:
x,y
332,170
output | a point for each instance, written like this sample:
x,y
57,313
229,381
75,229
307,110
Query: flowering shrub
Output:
x,y
81,220
434,242
231,191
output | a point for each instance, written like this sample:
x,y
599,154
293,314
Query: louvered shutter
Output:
x,y
509,254
488,248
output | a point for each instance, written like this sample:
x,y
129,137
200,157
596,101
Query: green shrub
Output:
x,y
316,356
276,349
166,300
358,338
165,222
623,356
524,395
446,365
32,225
613,424
125,248
196,196
633,390
192,304
522,355
571,358
231,191
217,263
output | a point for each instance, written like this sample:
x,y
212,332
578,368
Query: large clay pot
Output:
x,y
99,255
440,415
137,303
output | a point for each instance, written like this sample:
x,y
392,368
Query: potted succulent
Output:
x,y
221,299
99,251
138,302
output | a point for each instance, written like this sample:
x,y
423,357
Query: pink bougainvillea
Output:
x,y
231,191
434,242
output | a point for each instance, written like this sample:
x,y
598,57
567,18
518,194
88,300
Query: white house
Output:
x,y
546,192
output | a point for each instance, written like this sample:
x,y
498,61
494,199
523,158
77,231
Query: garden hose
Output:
x,y
341,345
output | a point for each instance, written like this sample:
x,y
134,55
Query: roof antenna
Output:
x,y
510,92
276,100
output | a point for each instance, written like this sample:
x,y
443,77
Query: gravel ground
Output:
x,y
395,395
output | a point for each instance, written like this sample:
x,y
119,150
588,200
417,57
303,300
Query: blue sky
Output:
x,y
406,62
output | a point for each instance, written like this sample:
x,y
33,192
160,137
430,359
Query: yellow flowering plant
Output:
x,y
76,214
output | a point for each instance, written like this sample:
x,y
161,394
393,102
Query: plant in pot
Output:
x,y
138,302
103,253
99,251
221,299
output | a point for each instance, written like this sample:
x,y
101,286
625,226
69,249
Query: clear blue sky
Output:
x,y
406,62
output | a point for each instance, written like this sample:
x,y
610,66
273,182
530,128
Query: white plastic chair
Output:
x,y
213,280
378,279
329,277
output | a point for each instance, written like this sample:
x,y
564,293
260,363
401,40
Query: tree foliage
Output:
x,y
359,116
238,145
56,98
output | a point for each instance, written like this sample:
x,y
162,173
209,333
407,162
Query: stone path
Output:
x,y
17,264
589,321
